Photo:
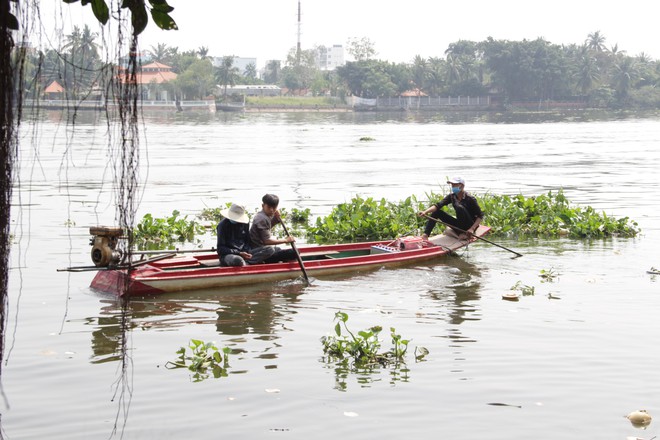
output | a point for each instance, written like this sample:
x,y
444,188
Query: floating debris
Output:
x,y
350,414
640,418
653,271
503,404
510,296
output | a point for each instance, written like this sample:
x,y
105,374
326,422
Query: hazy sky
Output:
x,y
267,29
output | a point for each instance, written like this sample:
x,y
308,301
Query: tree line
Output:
x,y
527,70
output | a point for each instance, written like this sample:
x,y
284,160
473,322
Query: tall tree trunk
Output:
x,y
10,105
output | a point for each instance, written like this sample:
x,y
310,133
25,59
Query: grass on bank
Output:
x,y
292,101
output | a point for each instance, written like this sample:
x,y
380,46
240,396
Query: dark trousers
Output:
x,y
281,255
462,221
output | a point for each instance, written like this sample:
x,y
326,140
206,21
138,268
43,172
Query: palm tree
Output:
x,y
437,74
161,53
250,72
644,58
588,74
227,73
82,58
203,52
273,72
453,69
595,41
626,72
420,73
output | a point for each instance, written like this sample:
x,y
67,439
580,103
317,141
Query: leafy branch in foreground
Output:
x,y
363,350
205,357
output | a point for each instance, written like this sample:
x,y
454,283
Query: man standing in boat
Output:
x,y
262,224
468,212
234,247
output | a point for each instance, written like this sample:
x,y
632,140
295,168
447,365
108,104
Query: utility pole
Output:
x,y
298,46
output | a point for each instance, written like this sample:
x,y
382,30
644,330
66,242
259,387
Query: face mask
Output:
x,y
455,189
233,222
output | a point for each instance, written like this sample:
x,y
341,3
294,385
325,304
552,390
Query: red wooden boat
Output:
x,y
202,271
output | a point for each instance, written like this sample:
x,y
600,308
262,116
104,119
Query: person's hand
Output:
x,y
289,239
245,255
466,235
421,213
277,215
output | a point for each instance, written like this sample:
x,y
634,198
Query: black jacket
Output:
x,y
233,238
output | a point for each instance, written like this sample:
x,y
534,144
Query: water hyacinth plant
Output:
x,y
368,219
547,215
363,350
550,215
205,359
163,232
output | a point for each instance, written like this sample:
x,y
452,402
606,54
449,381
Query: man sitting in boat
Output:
x,y
468,212
262,224
234,247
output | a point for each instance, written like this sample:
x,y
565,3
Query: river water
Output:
x,y
568,362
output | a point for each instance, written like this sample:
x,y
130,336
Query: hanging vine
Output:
x,y
16,21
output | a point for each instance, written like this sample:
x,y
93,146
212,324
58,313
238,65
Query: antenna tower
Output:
x,y
298,46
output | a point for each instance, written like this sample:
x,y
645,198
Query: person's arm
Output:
x,y
427,211
475,226
431,209
476,209
277,219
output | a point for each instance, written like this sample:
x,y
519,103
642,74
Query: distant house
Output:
x,y
413,92
154,74
54,91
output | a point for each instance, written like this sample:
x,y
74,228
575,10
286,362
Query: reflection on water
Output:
x,y
237,311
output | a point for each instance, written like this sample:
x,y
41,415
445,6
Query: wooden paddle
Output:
x,y
474,235
295,249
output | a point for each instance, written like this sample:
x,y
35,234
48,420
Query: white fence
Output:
x,y
421,102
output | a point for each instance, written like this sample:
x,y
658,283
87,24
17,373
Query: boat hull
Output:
x,y
202,272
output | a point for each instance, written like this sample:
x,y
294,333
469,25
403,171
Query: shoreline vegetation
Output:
x,y
549,215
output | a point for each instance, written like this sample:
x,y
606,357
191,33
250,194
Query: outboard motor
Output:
x,y
104,245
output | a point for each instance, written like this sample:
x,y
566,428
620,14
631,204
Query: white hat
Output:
x,y
236,213
457,180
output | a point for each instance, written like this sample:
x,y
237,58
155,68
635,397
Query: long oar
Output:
x,y
474,235
300,261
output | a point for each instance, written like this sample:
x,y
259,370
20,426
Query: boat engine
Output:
x,y
104,245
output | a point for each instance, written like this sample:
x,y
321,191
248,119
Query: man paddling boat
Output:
x,y
468,212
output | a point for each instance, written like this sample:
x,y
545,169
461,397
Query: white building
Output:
x,y
329,58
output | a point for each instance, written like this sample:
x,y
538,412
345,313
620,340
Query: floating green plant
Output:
x,y
367,219
550,215
523,288
205,359
161,232
364,219
548,275
363,350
